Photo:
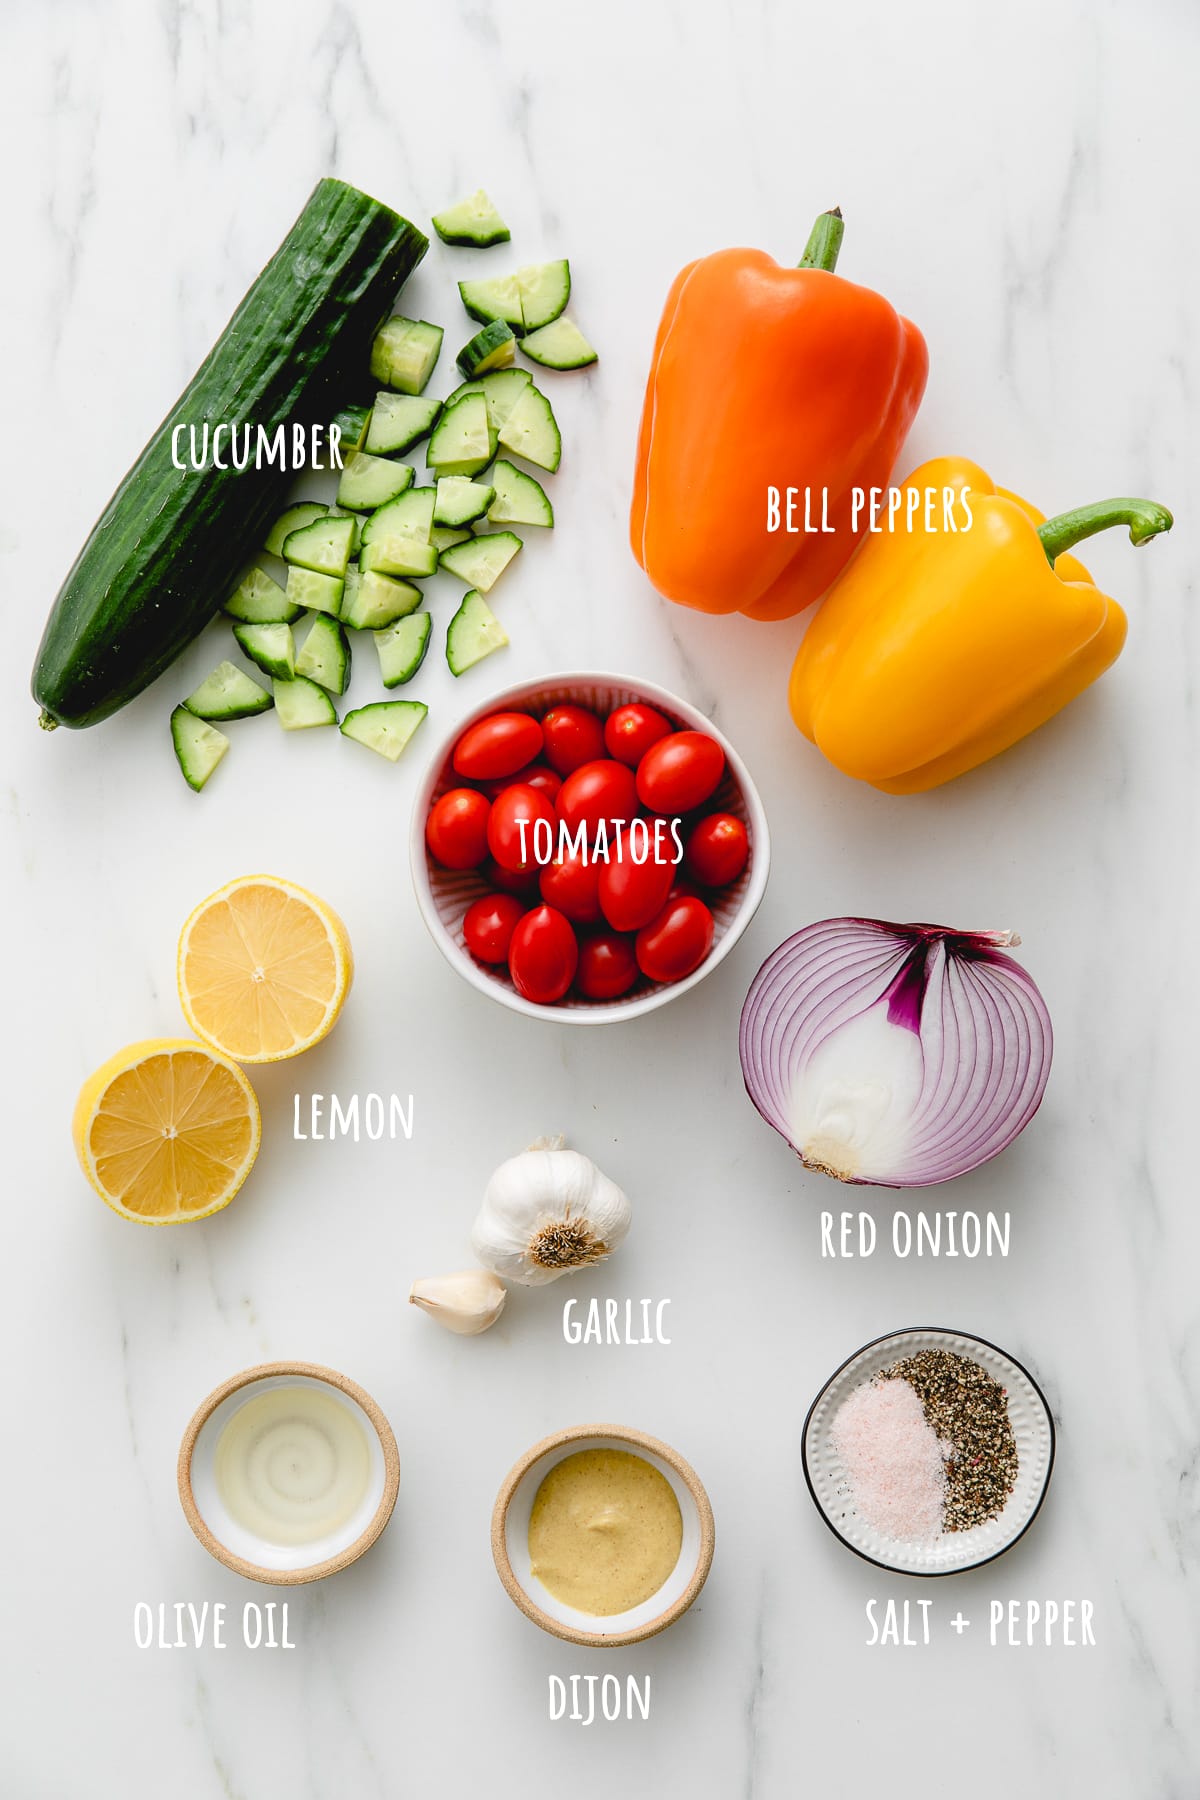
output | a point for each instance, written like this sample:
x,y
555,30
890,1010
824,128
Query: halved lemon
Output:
x,y
264,968
166,1131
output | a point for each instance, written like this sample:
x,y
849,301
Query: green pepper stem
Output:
x,y
1145,519
824,242
47,721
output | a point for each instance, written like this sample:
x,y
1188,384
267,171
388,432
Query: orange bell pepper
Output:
x,y
767,377
938,649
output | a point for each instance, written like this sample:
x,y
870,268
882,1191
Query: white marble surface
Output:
x,y
1020,182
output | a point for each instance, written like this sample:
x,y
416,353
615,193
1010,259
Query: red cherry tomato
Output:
x,y
676,942
607,966
571,885
522,882
680,772
542,956
599,790
489,924
573,735
630,731
716,850
456,831
535,775
630,893
498,745
519,806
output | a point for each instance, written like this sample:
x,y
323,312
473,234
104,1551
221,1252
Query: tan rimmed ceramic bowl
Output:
x,y
285,1565
510,1539
444,895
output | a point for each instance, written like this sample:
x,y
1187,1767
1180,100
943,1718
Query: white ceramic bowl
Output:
x,y
243,1551
952,1552
510,1539
444,895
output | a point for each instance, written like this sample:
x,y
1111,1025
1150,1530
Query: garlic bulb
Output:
x,y
468,1302
546,1212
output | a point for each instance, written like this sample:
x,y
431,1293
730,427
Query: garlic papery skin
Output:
x,y
467,1303
547,1212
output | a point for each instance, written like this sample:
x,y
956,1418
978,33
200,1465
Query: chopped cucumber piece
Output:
x,y
399,421
496,299
409,516
559,346
325,655
473,633
356,521
260,601
292,520
473,221
353,424
198,746
228,693
404,353
461,437
376,600
491,348
545,289
272,647
300,704
531,430
442,538
520,500
399,555
371,481
324,546
402,648
459,501
385,726
315,592
500,388
482,562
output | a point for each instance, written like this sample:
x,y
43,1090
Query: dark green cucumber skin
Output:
x,y
170,545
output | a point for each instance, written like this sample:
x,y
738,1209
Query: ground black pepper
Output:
x,y
968,1409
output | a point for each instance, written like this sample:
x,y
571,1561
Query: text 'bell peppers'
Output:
x,y
938,649
767,377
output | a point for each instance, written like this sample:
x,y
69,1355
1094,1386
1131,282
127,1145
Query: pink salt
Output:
x,y
894,1459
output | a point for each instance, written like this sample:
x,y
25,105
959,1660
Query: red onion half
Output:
x,y
895,1055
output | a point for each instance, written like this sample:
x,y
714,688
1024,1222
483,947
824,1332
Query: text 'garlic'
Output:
x,y
467,1302
546,1212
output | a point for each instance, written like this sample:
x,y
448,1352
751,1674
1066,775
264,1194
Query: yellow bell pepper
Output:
x,y
937,649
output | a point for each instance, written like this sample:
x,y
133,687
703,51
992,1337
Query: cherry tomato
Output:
x,y
630,894
680,772
716,850
488,926
536,775
456,831
498,745
522,882
599,790
516,806
573,735
676,942
607,966
571,885
630,731
543,955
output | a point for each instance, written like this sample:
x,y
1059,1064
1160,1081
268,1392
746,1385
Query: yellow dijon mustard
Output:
x,y
605,1531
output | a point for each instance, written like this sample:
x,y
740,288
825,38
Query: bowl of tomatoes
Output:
x,y
587,848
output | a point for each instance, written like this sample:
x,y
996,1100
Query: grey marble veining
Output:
x,y
1020,183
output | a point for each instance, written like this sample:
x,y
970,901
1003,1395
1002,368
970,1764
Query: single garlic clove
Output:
x,y
467,1302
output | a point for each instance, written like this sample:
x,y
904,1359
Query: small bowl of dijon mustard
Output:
x,y
602,1535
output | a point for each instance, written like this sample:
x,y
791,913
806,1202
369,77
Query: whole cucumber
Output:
x,y
171,543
